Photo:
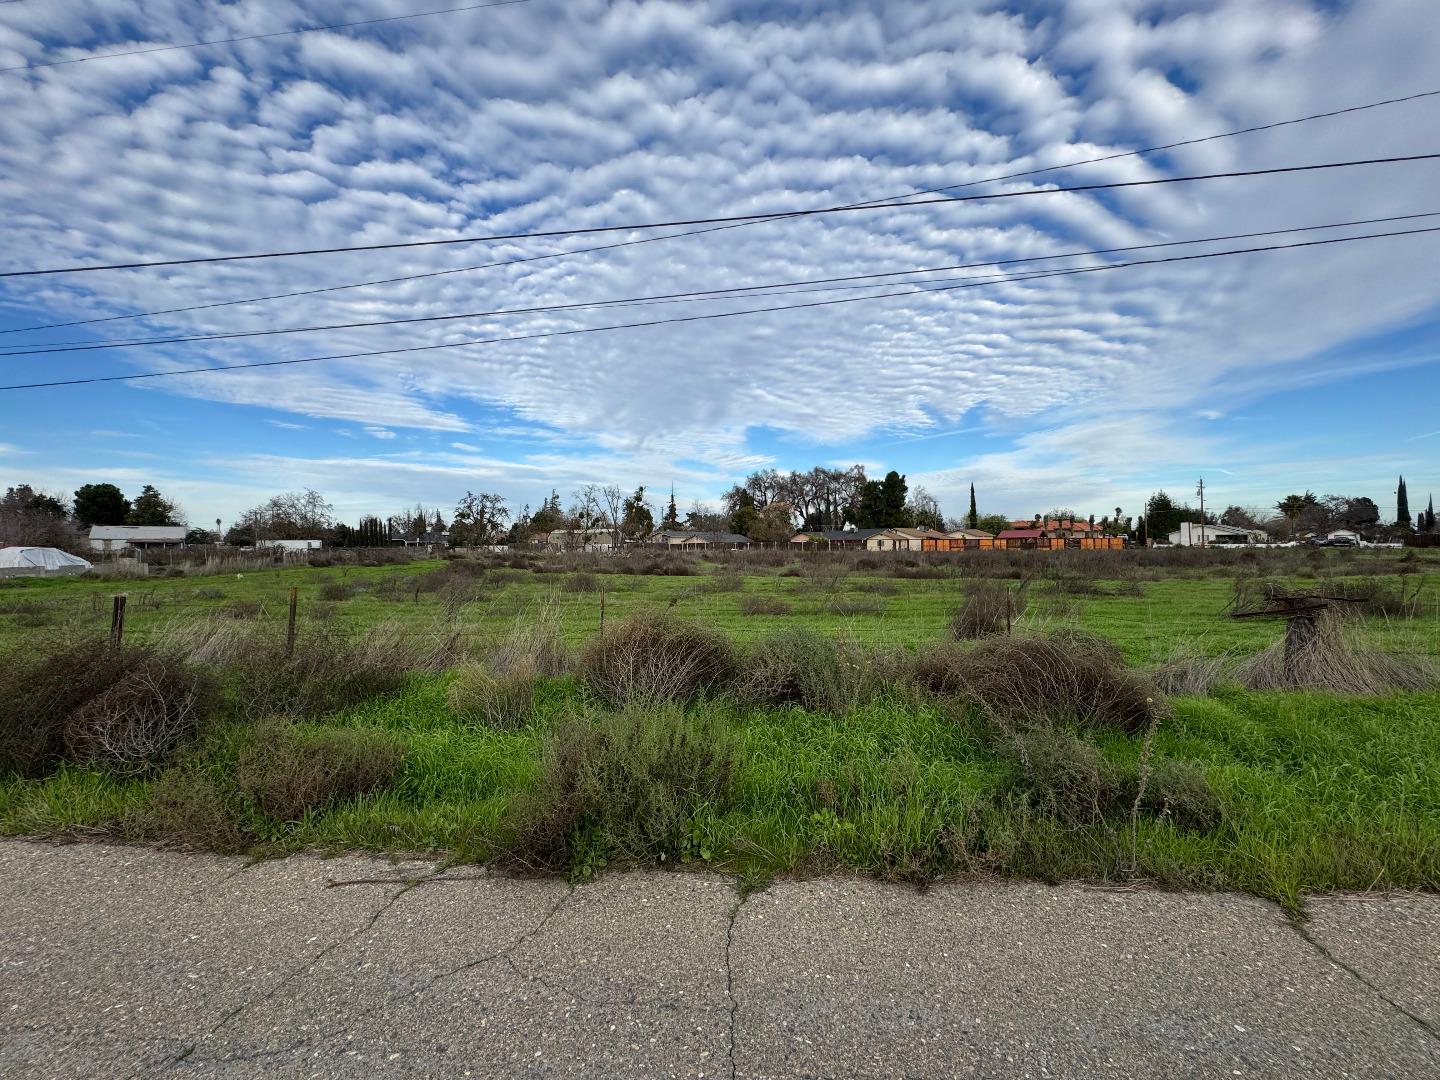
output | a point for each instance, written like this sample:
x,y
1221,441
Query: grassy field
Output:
x,y
1278,793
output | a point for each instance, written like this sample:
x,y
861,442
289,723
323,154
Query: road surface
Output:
x,y
123,961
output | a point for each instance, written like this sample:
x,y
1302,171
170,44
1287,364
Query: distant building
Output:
x,y
899,539
1193,534
699,538
425,539
136,537
968,534
834,539
291,545
583,539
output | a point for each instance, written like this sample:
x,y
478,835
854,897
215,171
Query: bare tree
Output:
x,y
479,520
587,514
613,499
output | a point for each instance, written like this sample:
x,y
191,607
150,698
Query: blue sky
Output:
x,y
1265,373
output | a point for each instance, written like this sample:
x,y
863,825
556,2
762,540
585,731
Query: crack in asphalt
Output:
x,y
498,954
730,978
1419,1021
188,1053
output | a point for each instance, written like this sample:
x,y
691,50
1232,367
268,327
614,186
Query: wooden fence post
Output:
x,y
290,630
117,622
602,609
1008,615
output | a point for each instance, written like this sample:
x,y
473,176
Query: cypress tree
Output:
x,y
972,519
1402,505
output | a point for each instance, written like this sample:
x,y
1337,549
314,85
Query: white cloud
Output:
x,y
592,113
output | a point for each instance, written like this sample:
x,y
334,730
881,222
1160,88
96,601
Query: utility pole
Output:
x,y
1200,490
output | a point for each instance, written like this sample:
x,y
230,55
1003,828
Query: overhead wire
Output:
x,y
739,225
594,229
704,317
796,287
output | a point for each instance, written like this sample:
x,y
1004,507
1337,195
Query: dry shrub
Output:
x,y
581,583
1067,777
1324,656
328,672
499,699
852,605
289,773
242,609
138,723
1192,674
1178,791
989,607
650,658
724,581
49,682
191,807
622,785
1037,679
533,643
1379,597
752,604
834,674
336,591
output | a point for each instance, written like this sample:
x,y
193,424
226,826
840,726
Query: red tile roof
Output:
x,y
1020,534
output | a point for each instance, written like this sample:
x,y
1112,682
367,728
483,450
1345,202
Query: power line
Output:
x,y
691,318
694,295
721,228
260,37
748,218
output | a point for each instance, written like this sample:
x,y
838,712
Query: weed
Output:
x,y
1322,655
1036,679
989,607
191,806
1067,777
136,724
759,604
336,591
656,658
289,773
625,785
502,700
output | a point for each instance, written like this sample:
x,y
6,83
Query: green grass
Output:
x,y
1319,792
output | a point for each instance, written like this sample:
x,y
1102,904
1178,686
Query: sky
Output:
x,y
1265,373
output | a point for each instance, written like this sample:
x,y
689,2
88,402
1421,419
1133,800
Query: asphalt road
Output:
x,y
131,962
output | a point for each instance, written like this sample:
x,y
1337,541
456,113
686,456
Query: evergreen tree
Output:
x,y
1141,531
744,517
1402,505
101,504
439,522
152,508
972,519
1430,515
671,520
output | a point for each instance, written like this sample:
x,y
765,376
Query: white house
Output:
x,y
583,539
136,537
1193,534
291,545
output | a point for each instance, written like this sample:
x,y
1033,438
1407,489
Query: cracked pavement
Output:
x,y
121,961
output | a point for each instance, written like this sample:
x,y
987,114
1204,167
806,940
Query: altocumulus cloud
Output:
x,y
585,113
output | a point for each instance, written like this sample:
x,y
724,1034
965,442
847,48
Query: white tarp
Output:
x,y
44,559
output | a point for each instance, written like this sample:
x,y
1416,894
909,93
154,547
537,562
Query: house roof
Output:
x,y
1020,534
137,532
968,534
838,534
704,536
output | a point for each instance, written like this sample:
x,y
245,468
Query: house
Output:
x,y
1193,534
834,539
1343,538
1022,538
290,545
696,538
968,534
425,539
136,537
1064,528
898,540
583,539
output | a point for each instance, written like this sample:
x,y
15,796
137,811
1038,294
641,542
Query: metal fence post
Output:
x,y
290,630
117,622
